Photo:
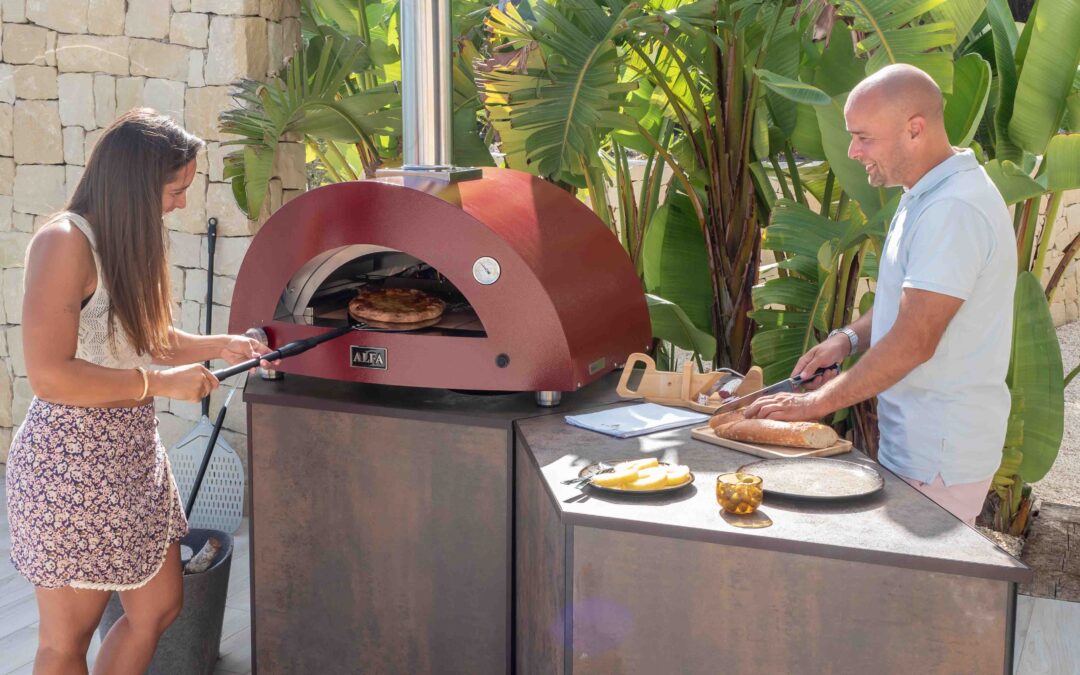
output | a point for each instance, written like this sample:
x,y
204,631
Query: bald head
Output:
x,y
901,90
897,125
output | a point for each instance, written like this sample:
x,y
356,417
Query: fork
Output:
x,y
601,467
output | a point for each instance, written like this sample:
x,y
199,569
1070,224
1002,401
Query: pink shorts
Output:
x,y
963,500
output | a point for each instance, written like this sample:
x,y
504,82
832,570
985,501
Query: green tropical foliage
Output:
x,y
708,133
340,95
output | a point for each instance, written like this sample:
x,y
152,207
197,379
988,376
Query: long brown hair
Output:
x,y
120,195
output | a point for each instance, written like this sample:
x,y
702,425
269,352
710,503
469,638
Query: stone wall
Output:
x,y
1065,306
68,68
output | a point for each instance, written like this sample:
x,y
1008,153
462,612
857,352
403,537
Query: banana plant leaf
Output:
x,y
1072,118
371,112
670,323
575,98
793,90
1046,77
839,70
1036,378
1063,162
1003,29
962,13
964,108
781,60
893,34
1014,184
676,263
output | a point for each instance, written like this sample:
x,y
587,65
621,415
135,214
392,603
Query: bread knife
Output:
x,y
783,386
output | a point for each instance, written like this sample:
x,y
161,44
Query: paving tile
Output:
x,y
1051,646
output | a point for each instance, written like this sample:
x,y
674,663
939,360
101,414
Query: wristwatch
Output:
x,y
852,337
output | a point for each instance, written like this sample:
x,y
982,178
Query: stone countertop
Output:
x,y
899,526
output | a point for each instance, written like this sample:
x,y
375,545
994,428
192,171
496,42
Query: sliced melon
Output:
x,y
678,474
615,478
648,479
637,464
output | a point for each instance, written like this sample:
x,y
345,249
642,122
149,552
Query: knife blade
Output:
x,y
781,387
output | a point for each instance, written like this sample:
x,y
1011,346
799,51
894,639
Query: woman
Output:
x,y
92,503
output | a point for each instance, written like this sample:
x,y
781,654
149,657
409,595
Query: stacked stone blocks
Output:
x,y
68,68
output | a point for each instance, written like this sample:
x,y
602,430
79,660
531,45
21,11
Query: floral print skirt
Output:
x,y
92,502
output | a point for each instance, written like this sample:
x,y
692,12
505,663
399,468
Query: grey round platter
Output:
x,y
817,478
590,471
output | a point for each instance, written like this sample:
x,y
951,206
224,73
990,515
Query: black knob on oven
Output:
x,y
502,360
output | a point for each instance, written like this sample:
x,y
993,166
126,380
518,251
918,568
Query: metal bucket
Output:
x,y
190,645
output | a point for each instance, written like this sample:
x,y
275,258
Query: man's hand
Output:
x,y
788,407
834,350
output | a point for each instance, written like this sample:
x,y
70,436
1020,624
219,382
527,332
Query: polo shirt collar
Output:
x,y
962,161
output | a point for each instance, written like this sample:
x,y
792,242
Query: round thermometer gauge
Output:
x,y
486,270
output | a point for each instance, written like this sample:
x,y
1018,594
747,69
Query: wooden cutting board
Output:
x,y
706,434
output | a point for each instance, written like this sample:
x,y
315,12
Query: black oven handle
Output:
x,y
283,352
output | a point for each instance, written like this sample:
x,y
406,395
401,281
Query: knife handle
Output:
x,y
819,372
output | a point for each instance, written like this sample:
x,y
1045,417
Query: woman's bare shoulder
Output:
x,y
61,241
61,234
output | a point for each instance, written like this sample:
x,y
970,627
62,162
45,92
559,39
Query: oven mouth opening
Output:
x,y
319,293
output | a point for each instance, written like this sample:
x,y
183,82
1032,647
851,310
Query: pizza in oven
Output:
x,y
396,306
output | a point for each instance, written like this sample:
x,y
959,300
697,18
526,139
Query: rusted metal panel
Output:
x,y
645,604
539,558
381,544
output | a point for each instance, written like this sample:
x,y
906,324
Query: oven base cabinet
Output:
x,y
379,544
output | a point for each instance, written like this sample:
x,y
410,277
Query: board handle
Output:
x,y
628,369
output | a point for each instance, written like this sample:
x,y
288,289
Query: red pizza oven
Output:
x,y
540,295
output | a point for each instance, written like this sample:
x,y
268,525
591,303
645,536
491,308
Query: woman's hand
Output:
x,y
184,383
239,348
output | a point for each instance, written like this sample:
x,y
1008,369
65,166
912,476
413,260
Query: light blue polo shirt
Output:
x,y
951,234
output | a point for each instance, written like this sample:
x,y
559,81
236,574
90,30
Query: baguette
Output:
x,y
809,435
717,421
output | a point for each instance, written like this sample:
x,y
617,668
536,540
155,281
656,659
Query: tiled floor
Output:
x,y
1046,630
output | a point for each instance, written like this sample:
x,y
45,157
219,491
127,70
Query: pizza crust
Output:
x,y
398,326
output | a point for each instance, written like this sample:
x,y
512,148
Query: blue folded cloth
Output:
x,y
636,420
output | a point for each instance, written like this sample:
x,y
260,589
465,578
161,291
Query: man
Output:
x,y
939,333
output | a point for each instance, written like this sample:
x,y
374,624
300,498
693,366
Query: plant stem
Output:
x,y
1025,236
841,205
793,170
826,202
1063,264
780,177
1047,233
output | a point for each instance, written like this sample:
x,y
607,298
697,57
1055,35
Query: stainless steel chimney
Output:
x,y
426,90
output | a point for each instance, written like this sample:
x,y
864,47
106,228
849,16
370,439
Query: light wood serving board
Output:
x,y
706,434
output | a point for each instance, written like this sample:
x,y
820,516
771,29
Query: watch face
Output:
x,y
486,270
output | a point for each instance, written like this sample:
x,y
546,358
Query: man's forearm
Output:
x,y
882,367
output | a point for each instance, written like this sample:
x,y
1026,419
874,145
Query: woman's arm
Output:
x,y
51,306
188,348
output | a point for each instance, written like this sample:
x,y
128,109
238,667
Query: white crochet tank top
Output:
x,y
94,343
